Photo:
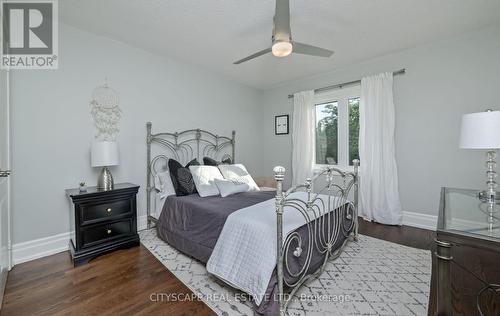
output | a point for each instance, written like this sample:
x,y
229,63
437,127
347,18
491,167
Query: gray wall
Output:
x,y
52,127
443,81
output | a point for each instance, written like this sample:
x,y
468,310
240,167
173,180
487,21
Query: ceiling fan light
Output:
x,y
282,49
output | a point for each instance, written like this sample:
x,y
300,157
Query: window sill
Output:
x,y
319,168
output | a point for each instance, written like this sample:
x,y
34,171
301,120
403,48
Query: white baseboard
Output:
x,y
420,220
38,248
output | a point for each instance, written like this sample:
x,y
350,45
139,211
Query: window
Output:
x,y
337,127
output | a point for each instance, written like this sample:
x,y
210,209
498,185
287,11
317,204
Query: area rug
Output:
x,y
371,277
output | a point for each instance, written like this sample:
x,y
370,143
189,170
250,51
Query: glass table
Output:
x,y
467,253
463,212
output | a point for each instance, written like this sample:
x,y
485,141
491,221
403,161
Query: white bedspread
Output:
x,y
245,253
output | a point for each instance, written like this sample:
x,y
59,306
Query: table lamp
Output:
x,y
482,131
104,154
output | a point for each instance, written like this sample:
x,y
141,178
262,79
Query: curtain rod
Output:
x,y
341,85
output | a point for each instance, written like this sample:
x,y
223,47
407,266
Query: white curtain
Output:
x,y
379,194
303,139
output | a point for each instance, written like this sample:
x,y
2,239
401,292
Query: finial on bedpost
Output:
x,y
279,175
355,162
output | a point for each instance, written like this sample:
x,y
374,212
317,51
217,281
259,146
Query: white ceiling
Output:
x,y
214,33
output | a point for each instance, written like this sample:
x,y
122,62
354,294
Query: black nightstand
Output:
x,y
102,221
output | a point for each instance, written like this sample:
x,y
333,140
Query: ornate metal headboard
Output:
x,y
183,147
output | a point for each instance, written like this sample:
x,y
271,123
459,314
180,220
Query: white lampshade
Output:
x,y
480,130
104,154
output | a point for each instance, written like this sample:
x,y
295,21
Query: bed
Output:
x,y
265,243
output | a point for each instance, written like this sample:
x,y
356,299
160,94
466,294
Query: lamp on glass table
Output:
x,y
482,131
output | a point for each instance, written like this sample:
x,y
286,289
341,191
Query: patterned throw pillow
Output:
x,y
203,177
181,177
228,187
207,161
239,173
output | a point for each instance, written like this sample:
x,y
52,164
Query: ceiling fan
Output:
x,y
282,44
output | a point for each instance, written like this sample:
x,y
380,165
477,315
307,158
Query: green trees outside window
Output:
x,y
327,131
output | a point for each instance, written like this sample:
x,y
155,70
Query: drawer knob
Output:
x,y
108,210
109,231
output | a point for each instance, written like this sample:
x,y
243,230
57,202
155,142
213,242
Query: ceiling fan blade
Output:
x,y
281,31
305,49
262,52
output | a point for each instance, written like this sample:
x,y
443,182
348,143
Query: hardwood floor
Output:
x,y
404,235
120,283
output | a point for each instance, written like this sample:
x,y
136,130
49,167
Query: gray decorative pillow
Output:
x,y
207,161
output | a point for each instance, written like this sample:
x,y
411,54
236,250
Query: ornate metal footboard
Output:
x,y
329,211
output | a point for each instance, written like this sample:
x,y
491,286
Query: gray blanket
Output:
x,y
192,225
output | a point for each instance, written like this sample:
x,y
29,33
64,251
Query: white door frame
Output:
x,y
9,166
6,165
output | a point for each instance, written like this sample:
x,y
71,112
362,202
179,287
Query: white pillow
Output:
x,y
163,183
239,173
228,187
203,177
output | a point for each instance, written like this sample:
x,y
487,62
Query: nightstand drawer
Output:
x,y
91,213
106,232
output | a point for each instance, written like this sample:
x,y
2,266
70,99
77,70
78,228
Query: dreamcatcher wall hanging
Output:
x,y
106,113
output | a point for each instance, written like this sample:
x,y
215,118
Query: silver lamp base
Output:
x,y
105,180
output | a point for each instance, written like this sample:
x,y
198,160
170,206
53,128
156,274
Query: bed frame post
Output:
x,y
356,197
233,143
148,174
279,174
198,138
